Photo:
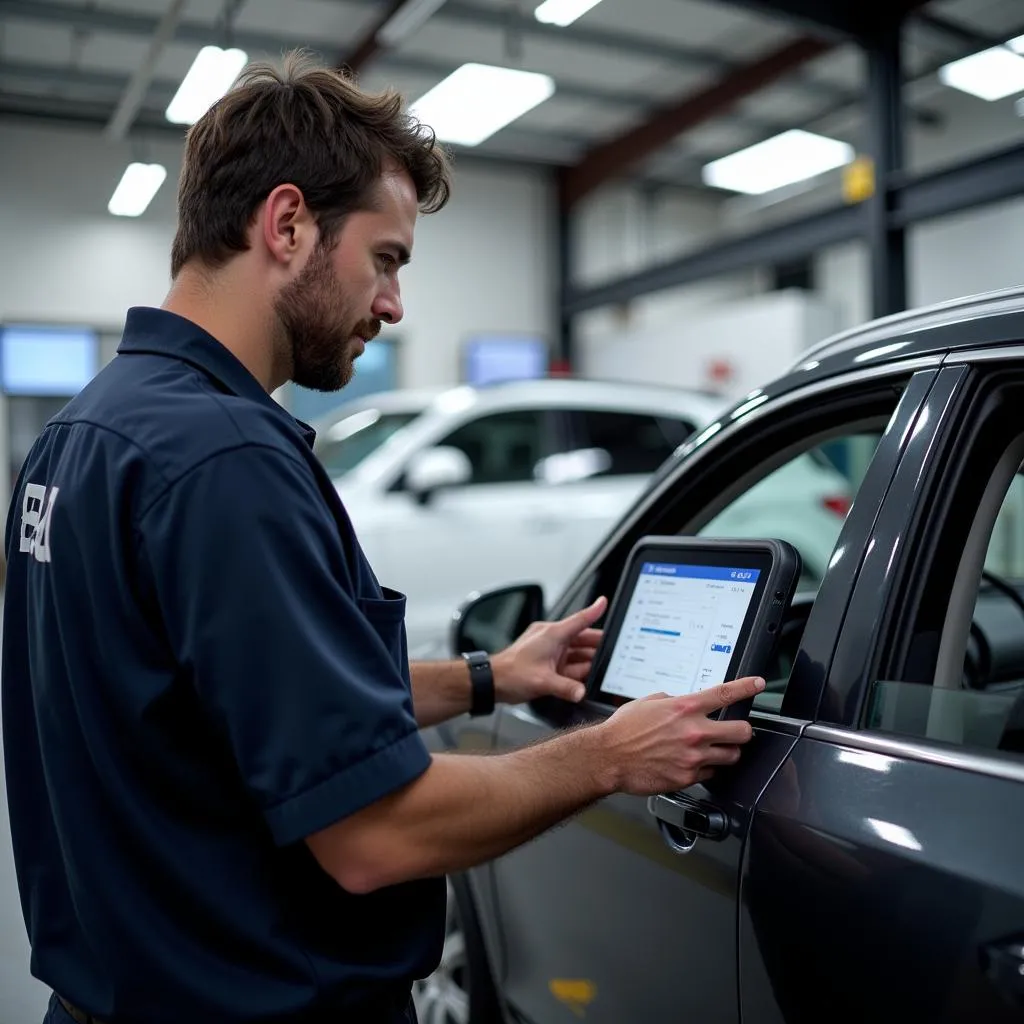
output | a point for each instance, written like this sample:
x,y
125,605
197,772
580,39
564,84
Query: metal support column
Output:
x,y
885,110
563,354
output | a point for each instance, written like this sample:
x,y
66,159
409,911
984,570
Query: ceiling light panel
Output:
x,y
793,156
991,74
477,100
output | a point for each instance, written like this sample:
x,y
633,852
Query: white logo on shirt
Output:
x,y
35,520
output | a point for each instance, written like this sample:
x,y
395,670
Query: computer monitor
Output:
x,y
490,358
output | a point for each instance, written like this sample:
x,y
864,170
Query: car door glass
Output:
x,y
635,443
804,501
502,447
964,684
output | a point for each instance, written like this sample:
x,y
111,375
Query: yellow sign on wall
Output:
x,y
859,180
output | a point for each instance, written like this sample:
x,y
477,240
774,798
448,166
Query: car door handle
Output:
x,y
691,818
1003,963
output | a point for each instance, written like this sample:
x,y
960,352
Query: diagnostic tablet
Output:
x,y
693,612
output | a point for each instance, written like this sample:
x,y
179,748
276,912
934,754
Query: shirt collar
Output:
x,y
161,332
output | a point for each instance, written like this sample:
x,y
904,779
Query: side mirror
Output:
x,y
492,620
429,471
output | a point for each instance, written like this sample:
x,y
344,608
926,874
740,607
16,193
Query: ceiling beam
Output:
x,y
370,45
612,159
104,86
626,44
135,89
953,30
970,46
842,19
150,124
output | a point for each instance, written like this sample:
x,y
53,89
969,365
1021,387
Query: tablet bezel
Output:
x,y
698,551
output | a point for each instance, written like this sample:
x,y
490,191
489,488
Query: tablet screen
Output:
x,y
680,629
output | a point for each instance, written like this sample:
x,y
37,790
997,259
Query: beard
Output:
x,y
320,326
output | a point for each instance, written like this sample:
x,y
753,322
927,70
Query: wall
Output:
x,y
728,344
481,264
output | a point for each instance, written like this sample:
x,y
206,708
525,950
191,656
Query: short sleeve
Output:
x,y
250,575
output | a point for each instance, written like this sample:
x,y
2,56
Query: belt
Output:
x,y
77,1015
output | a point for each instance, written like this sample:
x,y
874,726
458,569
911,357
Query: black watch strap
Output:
x,y
481,679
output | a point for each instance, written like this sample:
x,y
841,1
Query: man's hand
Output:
x,y
661,743
550,659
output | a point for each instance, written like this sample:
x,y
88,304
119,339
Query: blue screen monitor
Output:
x,y
505,357
47,361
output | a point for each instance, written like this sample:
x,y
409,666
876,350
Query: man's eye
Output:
x,y
388,260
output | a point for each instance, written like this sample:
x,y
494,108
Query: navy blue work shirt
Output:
x,y
199,670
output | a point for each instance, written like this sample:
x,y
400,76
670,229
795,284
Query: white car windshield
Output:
x,y
343,445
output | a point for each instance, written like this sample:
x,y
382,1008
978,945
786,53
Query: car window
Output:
x,y
792,471
343,445
503,447
634,442
955,672
804,501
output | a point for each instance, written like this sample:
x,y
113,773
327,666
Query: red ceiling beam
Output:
x,y
368,47
612,159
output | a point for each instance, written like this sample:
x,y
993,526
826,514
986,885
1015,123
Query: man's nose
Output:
x,y
388,306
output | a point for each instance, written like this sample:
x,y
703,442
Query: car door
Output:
x,y
882,879
619,913
494,529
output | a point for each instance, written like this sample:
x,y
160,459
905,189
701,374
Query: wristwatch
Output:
x,y
481,678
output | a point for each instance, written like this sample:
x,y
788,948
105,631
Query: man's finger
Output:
x,y
720,755
729,732
577,670
569,689
575,624
717,697
588,639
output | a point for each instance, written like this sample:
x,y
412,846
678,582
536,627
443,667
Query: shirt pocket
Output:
x,y
386,614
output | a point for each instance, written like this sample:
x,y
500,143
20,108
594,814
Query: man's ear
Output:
x,y
288,228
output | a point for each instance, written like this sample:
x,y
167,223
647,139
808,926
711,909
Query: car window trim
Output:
x,y
1001,766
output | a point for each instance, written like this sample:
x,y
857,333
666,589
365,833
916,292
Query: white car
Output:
x,y
463,489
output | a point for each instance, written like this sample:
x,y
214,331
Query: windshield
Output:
x,y
343,445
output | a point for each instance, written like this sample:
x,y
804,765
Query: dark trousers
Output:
x,y
56,1014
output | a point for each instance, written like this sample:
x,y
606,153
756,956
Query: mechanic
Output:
x,y
222,808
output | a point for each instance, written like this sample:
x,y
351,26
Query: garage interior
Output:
x,y
605,227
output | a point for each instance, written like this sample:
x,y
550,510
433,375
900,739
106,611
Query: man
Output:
x,y
222,808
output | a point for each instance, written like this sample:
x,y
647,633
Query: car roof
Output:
x,y
568,391
995,317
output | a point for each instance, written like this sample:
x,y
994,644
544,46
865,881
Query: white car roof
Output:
x,y
567,392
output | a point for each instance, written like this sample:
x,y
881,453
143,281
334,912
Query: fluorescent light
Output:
x,y
213,72
476,100
787,158
563,12
409,17
991,74
135,191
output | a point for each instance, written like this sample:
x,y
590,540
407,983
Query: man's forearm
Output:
x,y
440,690
467,809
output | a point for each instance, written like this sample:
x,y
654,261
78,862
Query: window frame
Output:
x,y
957,507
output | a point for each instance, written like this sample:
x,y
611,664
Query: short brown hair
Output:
x,y
305,125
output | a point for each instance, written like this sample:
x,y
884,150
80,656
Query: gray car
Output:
x,y
865,859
